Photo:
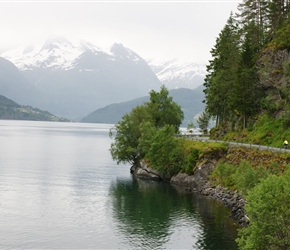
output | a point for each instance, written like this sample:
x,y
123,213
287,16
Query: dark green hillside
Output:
x,y
247,92
10,110
247,86
113,112
190,101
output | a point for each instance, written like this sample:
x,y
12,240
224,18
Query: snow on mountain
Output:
x,y
59,53
124,53
74,77
55,53
70,77
175,74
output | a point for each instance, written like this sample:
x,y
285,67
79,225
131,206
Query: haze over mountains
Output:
x,y
74,78
174,74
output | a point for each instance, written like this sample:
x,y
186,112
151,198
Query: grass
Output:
x,y
266,131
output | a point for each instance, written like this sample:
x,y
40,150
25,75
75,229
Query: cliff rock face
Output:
x,y
274,74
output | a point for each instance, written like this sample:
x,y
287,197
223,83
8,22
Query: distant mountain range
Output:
x,y
190,101
72,78
174,74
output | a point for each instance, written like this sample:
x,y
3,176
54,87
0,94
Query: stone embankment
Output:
x,y
199,183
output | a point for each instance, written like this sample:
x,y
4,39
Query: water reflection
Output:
x,y
60,189
156,215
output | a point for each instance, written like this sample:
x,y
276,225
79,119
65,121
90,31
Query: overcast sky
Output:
x,y
185,30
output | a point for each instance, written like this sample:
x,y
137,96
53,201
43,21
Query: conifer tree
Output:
x,y
247,90
254,11
221,72
203,121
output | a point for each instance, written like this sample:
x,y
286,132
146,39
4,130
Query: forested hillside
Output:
x,y
247,92
190,101
248,78
10,110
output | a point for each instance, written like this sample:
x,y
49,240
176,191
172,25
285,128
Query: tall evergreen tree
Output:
x,y
247,89
267,15
221,72
254,11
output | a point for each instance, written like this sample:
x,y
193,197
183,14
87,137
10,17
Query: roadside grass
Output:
x,y
266,131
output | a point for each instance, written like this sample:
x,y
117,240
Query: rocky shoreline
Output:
x,y
199,183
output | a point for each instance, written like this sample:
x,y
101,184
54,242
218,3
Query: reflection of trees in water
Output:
x,y
146,210
218,231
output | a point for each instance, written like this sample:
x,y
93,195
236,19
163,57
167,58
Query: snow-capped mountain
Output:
x,y
71,77
175,74
59,53
54,53
76,77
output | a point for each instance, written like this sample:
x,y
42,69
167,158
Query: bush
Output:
x,y
269,213
223,175
191,158
246,177
166,152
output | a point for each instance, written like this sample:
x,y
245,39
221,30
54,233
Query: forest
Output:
x,y
248,78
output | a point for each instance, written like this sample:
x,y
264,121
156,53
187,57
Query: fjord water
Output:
x,y
60,189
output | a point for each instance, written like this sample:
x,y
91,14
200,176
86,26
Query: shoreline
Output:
x,y
199,183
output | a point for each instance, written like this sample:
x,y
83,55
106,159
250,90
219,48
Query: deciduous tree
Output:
x,y
164,110
269,211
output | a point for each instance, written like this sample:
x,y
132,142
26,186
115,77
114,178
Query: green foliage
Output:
x,y
126,147
233,90
269,105
269,213
247,91
246,177
10,110
191,125
164,110
203,121
266,130
148,131
281,39
286,119
243,177
138,130
190,160
166,153
221,72
223,175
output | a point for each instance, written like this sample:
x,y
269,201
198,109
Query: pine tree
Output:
x,y
221,72
247,90
254,11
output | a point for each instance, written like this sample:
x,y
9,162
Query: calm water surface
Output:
x,y
60,189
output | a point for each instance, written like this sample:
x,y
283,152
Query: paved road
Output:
x,y
206,139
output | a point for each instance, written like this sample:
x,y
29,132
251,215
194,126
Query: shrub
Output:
x,y
268,210
191,158
166,152
246,177
223,175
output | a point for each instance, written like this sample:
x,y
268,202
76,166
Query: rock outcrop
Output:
x,y
199,183
274,76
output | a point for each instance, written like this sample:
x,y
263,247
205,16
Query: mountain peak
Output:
x,y
56,52
118,50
